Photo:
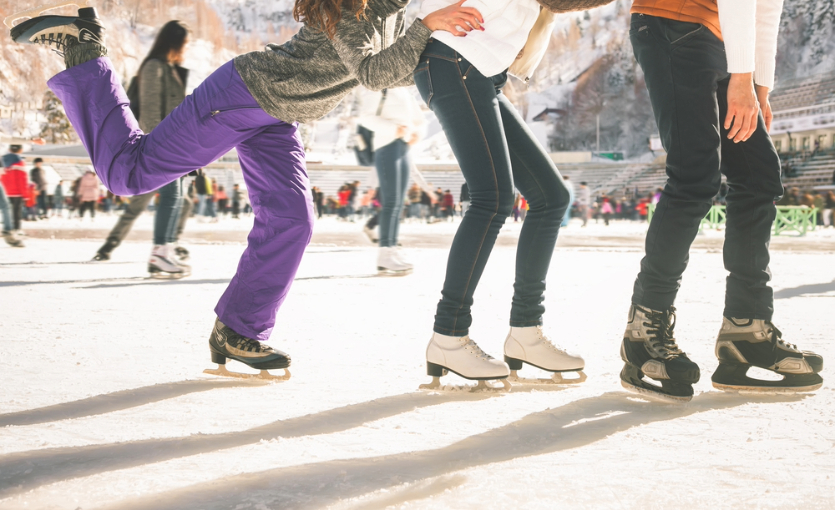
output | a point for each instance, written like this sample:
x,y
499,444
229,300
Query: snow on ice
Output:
x,y
104,404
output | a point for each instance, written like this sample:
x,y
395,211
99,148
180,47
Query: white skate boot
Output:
x,y
531,346
161,265
459,354
401,257
389,265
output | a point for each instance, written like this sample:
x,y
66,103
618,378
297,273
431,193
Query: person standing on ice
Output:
x,y
461,80
13,182
710,65
162,87
253,103
397,123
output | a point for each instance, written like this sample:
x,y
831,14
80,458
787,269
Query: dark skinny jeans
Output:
x,y
393,168
495,150
686,74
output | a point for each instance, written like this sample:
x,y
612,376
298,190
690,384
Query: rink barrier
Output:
x,y
798,219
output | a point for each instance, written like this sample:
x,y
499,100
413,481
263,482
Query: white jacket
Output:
x,y
507,24
400,108
749,29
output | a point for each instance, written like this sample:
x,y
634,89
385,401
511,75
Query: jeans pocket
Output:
x,y
679,32
423,81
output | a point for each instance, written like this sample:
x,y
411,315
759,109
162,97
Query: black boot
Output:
x,y
78,38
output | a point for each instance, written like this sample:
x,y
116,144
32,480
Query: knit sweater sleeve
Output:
x,y
354,42
150,95
749,29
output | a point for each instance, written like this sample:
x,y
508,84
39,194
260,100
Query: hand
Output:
x,y
401,132
765,106
741,120
455,19
415,138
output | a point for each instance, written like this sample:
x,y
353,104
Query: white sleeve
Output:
x,y
738,19
768,26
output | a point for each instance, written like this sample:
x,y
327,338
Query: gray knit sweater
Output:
x,y
305,78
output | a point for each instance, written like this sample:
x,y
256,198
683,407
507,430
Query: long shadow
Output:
x,y
24,471
320,484
117,401
73,263
58,282
814,288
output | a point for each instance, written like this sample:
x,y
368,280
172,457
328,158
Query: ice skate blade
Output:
x,y
482,386
382,271
555,379
654,395
37,11
263,376
766,390
161,275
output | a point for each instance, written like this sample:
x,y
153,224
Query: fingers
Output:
x,y
732,124
767,117
741,123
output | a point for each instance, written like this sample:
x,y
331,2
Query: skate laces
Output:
x,y
247,344
777,336
660,332
473,347
61,42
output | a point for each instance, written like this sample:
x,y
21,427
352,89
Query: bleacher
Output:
x,y
802,93
806,172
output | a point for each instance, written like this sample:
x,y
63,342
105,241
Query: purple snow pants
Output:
x,y
220,115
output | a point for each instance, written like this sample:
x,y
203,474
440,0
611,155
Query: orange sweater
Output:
x,y
705,12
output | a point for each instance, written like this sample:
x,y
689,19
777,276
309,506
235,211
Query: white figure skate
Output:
x,y
460,355
530,345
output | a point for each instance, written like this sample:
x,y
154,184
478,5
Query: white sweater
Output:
x,y
400,108
507,24
749,28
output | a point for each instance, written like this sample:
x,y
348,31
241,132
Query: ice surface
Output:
x,y
104,404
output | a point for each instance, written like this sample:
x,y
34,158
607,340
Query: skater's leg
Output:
x,y
137,205
469,114
682,63
5,210
539,181
753,171
220,114
274,170
185,213
404,171
386,160
167,213
17,211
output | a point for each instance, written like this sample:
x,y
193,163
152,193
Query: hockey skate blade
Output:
x,y
482,386
654,395
262,376
37,11
556,379
735,379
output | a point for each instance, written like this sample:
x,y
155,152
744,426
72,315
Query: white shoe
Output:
x,y
161,265
461,355
388,264
400,257
370,234
531,346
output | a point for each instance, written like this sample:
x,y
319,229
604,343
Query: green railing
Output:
x,y
790,218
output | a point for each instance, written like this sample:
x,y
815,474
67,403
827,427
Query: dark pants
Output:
x,y
87,206
42,208
495,150
393,165
686,74
17,211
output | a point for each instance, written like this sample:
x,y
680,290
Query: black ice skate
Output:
x,y
58,32
743,343
649,349
225,343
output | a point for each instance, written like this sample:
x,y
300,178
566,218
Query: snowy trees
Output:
x,y
56,128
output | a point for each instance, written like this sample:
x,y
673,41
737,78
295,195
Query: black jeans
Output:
x,y
495,150
686,74
393,165
17,211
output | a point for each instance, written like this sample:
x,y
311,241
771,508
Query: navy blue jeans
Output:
x,y
495,150
167,215
685,69
393,166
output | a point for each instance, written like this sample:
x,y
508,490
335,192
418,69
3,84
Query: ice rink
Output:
x,y
104,404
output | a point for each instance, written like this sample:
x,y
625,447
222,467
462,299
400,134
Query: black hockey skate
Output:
x,y
649,349
58,32
225,343
743,343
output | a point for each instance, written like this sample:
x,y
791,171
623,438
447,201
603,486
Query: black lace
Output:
x,y
243,343
660,331
62,44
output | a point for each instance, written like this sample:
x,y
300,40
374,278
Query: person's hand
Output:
x,y
741,120
455,19
415,138
765,106
401,132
